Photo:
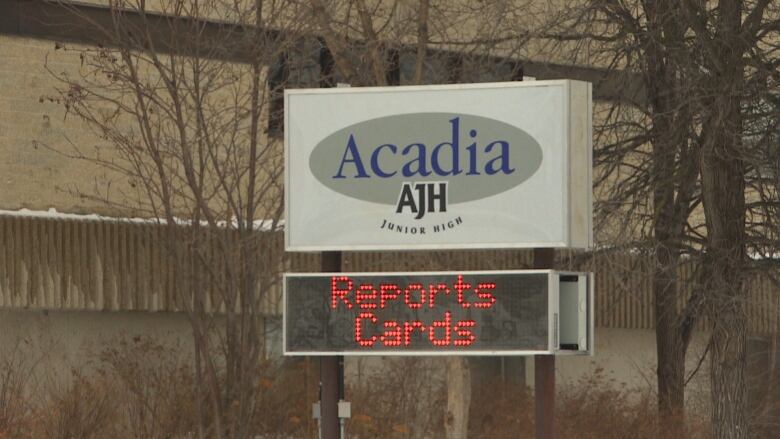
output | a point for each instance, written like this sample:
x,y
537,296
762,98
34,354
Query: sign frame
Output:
x,y
554,308
577,207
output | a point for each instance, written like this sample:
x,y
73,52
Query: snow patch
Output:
x,y
52,213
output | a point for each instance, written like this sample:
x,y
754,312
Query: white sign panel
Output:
x,y
501,165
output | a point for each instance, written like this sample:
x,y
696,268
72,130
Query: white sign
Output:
x,y
500,165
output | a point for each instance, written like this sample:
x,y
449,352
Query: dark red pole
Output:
x,y
331,371
544,368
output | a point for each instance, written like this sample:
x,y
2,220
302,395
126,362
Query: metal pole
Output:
x,y
331,368
331,371
544,368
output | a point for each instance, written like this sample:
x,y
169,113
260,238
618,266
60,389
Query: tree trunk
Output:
x,y
456,421
728,369
724,204
671,341
723,197
673,174
670,347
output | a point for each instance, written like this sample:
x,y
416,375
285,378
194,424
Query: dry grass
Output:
x,y
136,389
140,389
16,413
403,400
83,409
595,408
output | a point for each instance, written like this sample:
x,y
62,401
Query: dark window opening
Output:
x,y
393,71
278,78
327,66
517,72
454,67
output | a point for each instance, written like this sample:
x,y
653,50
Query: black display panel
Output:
x,y
408,313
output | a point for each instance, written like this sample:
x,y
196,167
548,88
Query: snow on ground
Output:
x,y
52,213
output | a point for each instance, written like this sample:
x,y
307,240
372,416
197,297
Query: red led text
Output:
x,y
344,292
368,300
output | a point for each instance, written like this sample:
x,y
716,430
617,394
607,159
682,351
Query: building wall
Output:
x,y
627,359
52,344
51,159
33,130
36,132
90,263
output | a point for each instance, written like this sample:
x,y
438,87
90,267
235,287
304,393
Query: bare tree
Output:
x,y
732,75
180,100
706,68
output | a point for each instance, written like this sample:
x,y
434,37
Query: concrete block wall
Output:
x,y
31,174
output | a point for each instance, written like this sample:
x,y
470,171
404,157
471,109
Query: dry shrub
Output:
x,y
501,410
139,388
156,384
599,408
15,374
159,393
282,404
135,388
401,398
387,405
82,409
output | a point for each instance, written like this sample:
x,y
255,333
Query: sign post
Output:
x,y
331,372
544,370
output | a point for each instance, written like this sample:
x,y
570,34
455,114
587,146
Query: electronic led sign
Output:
x,y
432,313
